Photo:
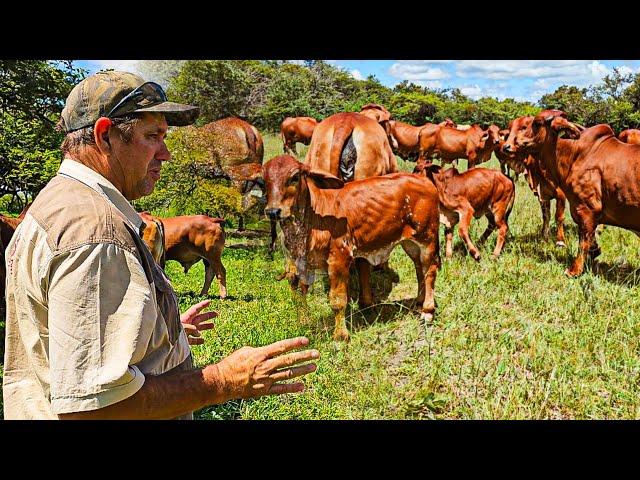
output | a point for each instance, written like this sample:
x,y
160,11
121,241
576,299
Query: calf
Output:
x,y
189,239
296,129
475,193
327,224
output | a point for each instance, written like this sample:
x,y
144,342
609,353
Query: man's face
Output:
x,y
139,161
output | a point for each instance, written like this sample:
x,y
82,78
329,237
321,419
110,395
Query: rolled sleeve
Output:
x,y
101,316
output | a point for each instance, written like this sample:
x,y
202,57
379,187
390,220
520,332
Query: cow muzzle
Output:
x,y
273,213
506,148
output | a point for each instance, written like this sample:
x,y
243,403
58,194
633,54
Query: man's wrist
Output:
x,y
215,385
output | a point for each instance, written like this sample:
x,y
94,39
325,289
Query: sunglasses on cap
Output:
x,y
146,95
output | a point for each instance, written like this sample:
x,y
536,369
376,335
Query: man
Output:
x,y
93,329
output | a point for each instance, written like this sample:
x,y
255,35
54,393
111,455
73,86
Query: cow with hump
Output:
x,y
352,146
542,185
599,174
327,224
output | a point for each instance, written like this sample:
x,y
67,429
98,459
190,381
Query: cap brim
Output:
x,y
176,114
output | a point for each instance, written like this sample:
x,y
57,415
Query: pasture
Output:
x,y
512,338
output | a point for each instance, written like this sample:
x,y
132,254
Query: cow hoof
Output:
x,y
427,318
476,256
341,335
571,274
560,243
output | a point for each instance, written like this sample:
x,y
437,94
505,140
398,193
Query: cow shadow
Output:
x,y
622,274
358,319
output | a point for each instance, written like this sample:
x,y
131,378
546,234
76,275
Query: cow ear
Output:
x,y
325,180
484,137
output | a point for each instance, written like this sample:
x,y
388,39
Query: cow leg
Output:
x,y
491,226
466,216
448,235
208,276
221,275
587,224
338,295
503,230
274,237
545,206
560,206
426,260
365,298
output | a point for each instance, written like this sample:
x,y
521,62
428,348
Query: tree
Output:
x,y
32,95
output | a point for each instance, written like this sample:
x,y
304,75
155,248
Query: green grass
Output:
x,y
512,338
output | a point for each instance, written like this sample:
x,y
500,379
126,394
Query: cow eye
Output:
x,y
295,179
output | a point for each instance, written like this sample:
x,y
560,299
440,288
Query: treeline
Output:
x,y
32,94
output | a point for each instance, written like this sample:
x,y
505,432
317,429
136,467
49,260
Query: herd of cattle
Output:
x,y
347,203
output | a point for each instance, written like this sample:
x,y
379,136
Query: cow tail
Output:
x,y
343,155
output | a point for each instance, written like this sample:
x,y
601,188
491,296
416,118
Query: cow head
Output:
x,y
517,128
546,126
447,122
286,180
490,137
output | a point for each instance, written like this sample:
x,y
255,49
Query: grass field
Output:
x,y
512,338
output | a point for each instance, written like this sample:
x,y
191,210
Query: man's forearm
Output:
x,y
164,396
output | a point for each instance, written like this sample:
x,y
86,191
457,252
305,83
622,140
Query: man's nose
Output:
x,y
273,213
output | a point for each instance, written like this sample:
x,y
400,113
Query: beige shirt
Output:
x,y
84,318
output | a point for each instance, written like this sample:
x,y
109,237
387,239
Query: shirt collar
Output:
x,y
97,182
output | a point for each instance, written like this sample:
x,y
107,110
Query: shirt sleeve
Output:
x,y
101,315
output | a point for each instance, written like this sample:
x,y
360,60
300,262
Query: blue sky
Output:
x,y
519,79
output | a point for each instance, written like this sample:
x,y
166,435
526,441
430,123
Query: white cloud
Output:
x,y
429,84
355,73
624,70
541,83
417,71
473,91
118,65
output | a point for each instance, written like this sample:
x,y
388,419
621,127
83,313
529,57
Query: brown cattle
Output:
x,y
475,193
447,122
449,144
351,146
599,174
407,138
327,223
189,239
630,135
296,129
153,236
542,187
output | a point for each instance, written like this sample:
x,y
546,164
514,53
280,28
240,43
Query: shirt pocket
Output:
x,y
167,303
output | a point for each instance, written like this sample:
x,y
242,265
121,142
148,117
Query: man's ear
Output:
x,y
101,133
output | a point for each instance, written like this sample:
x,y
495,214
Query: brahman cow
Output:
x,y
630,135
296,129
599,174
352,146
327,223
187,240
541,185
475,193
449,144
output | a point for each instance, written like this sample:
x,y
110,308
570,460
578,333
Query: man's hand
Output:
x,y
254,372
193,322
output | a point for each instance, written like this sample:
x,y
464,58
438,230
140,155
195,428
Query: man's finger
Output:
x,y
291,359
293,372
280,388
196,341
197,307
283,346
203,317
205,326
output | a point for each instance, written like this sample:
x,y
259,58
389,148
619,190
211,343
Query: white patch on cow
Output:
x,y
376,257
